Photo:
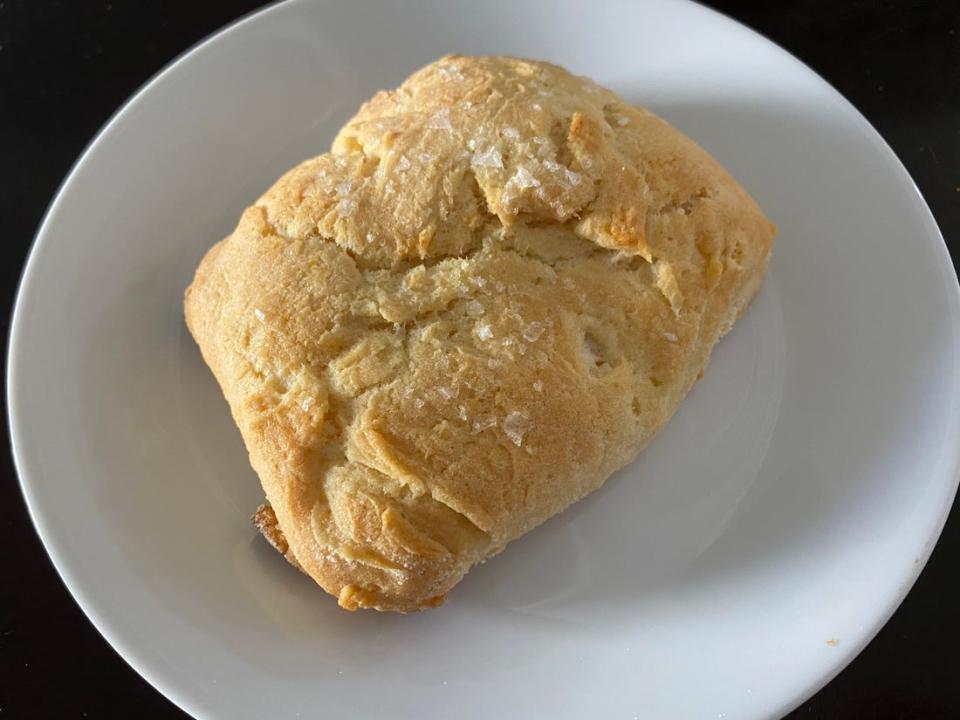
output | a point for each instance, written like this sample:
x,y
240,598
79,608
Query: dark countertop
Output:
x,y
66,66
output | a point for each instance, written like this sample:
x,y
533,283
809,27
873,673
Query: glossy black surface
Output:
x,y
66,66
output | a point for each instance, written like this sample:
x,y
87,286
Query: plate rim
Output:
x,y
192,706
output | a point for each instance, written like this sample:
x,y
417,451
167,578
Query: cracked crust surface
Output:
x,y
490,294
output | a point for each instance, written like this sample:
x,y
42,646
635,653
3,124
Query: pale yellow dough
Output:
x,y
490,294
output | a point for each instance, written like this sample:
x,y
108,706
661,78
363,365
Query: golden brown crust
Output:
x,y
494,290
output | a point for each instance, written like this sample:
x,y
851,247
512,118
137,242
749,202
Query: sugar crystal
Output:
x,y
346,207
516,425
523,179
571,177
440,120
451,72
448,393
483,422
488,158
533,331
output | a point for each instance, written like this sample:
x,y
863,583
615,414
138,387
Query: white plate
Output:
x,y
755,548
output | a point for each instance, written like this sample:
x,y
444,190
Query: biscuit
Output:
x,y
489,295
